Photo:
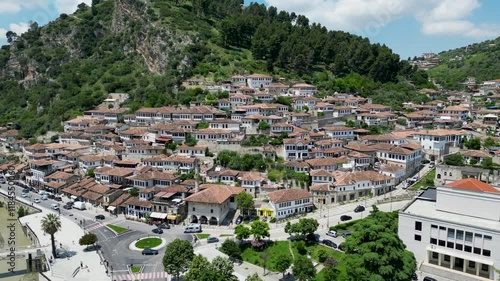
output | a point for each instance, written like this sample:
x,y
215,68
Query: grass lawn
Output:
x,y
226,235
117,229
148,243
202,235
428,180
135,269
281,247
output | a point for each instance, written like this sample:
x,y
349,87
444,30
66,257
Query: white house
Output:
x,y
454,230
287,202
295,149
339,132
259,81
303,90
212,204
437,142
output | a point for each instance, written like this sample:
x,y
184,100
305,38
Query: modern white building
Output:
x,y
454,230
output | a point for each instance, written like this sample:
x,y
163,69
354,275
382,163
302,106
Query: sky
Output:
x,y
408,27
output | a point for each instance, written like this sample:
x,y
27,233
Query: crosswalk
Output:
x,y
97,225
141,276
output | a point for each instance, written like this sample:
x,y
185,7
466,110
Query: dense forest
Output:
x,y
479,60
147,48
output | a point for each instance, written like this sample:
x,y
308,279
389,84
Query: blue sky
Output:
x,y
409,27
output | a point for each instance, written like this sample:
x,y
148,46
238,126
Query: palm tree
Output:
x,y
50,225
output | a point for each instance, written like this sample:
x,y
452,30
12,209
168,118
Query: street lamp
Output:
x,y
111,267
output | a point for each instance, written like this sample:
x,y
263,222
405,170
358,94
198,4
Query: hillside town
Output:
x,y
294,153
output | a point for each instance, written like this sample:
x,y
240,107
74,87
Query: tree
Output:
x,y
474,143
487,163
473,161
454,160
134,192
402,121
202,125
489,142
200,269
303,269
260,229
171,145
303,228
375,252
231,248
263,125
50,225
282,262
54,138
90,173
21,212
224,269
242,232
178,255
331,274
253,277
244,202
190,140
88,239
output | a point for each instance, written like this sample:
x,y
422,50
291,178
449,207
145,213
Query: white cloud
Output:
x,y
14,6
19,28
2,35
437,17
69,6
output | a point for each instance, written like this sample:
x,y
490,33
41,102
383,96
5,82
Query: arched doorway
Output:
x,y
194,219
213,221
203,220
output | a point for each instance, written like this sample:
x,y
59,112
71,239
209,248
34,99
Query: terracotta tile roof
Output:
x,y
156,175
473,184
216,194
135,201
120,200
356,154
320,187
327,161
251,176
474,153
391,168
360,147
348,178
286,195
297,164
440,132
320,173
59,175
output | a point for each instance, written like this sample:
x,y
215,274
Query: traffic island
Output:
x,y
152,242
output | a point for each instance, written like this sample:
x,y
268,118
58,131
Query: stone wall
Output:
x,y
446,174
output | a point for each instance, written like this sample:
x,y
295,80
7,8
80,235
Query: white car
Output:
x,y
24,195
332,233
36,200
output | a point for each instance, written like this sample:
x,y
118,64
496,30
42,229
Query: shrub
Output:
x,y
301,247
322,255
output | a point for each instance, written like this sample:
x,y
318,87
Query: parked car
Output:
x,y
341,246
427,278
157,230
51,196
148,251
99,217
432,165
55,206
67,207
24,195
332,233
359,209
212,240
26,190
345,218
313,237
414,276
70,203
36,200
346,233
329,243
164,226
58,199
425,161
239,219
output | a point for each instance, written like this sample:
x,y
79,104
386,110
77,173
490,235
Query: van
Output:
x,y
55,206
193,228
79,205
45,197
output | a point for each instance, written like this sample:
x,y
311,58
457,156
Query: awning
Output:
x,y
156,215
172,217
111,208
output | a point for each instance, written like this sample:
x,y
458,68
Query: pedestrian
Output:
x,y
60,244
73,242
81,264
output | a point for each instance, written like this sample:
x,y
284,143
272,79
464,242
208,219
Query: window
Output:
x,y
486,253
194,209
477,251
472,264
447,258
460,235
442,228
450,245
418,237
477,235
442,243
212,211
451,233
485,267
434,241
468,236
434,226
435,255
487,237
468,248
418,226
459,247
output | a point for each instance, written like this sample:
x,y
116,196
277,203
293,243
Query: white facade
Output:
x,y
289,208
456,235
258,81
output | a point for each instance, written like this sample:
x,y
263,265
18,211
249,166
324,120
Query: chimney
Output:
x,y
196,175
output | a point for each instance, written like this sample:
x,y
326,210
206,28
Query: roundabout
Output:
x,y
154,243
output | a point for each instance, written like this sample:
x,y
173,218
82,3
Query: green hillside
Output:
x,y
480,60
147,48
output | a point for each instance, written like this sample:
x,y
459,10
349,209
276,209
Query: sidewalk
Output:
x,y
68,236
